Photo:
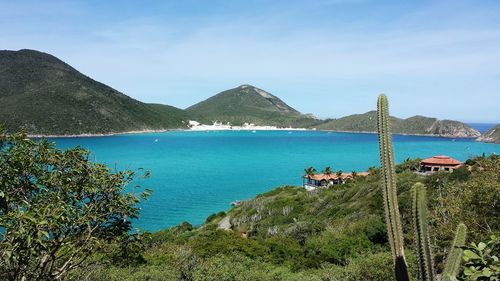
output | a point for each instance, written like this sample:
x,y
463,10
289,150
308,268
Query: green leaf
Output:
x,y
486,272
468,255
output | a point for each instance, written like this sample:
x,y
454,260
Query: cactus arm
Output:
x,y
455,255
392,217
422,241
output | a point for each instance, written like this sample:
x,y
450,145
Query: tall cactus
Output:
x,y
455,256
392,217
420,220
423,246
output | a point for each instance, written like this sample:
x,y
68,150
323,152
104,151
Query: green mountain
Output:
x,y
492,135
46,96
416,125
249,104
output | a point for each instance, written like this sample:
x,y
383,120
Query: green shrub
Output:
x,y
482,260
460,174
224,242
335,248
214,216
59,211
285,251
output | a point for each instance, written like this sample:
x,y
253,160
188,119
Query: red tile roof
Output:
x,y
320,177
441,160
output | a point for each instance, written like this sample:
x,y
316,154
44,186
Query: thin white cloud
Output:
x,y
154,59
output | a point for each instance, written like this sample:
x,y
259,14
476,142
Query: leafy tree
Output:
x,y
460,174
409,165
58,210
476,202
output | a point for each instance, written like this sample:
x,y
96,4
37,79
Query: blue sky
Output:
x,y
327,57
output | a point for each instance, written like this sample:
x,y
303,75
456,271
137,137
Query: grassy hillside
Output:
x,y
419,125
248,104
284,234
44,95
492,135
330,234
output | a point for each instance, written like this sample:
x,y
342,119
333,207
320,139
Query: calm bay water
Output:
x,y
195,174
482,127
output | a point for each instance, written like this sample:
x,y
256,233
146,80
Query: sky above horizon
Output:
x,y
327,57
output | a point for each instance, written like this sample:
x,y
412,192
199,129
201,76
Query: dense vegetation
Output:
x,y
248,104
492,135
65,217
59,210
327,234
367,122
44,95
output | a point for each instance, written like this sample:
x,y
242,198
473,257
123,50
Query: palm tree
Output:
x,y
339,176
372,170
354,174
310,171
328,171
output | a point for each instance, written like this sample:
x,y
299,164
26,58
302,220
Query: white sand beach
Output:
x,y
217,126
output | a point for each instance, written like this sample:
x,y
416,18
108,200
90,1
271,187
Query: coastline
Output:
x,y
219,127
234,128
401,134
101,135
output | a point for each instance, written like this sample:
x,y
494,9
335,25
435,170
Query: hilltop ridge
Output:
x,y
45,96
249,104
492,135
416,125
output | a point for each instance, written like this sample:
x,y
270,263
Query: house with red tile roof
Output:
x,y
311,182
439,163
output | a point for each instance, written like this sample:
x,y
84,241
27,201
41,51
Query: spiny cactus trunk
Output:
x,y
454,258
392,217
422,241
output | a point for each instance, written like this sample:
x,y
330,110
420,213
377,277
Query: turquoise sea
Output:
x,y
195,174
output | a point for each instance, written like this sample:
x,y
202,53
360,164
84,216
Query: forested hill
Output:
x,y
249,104
416,125
44,95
